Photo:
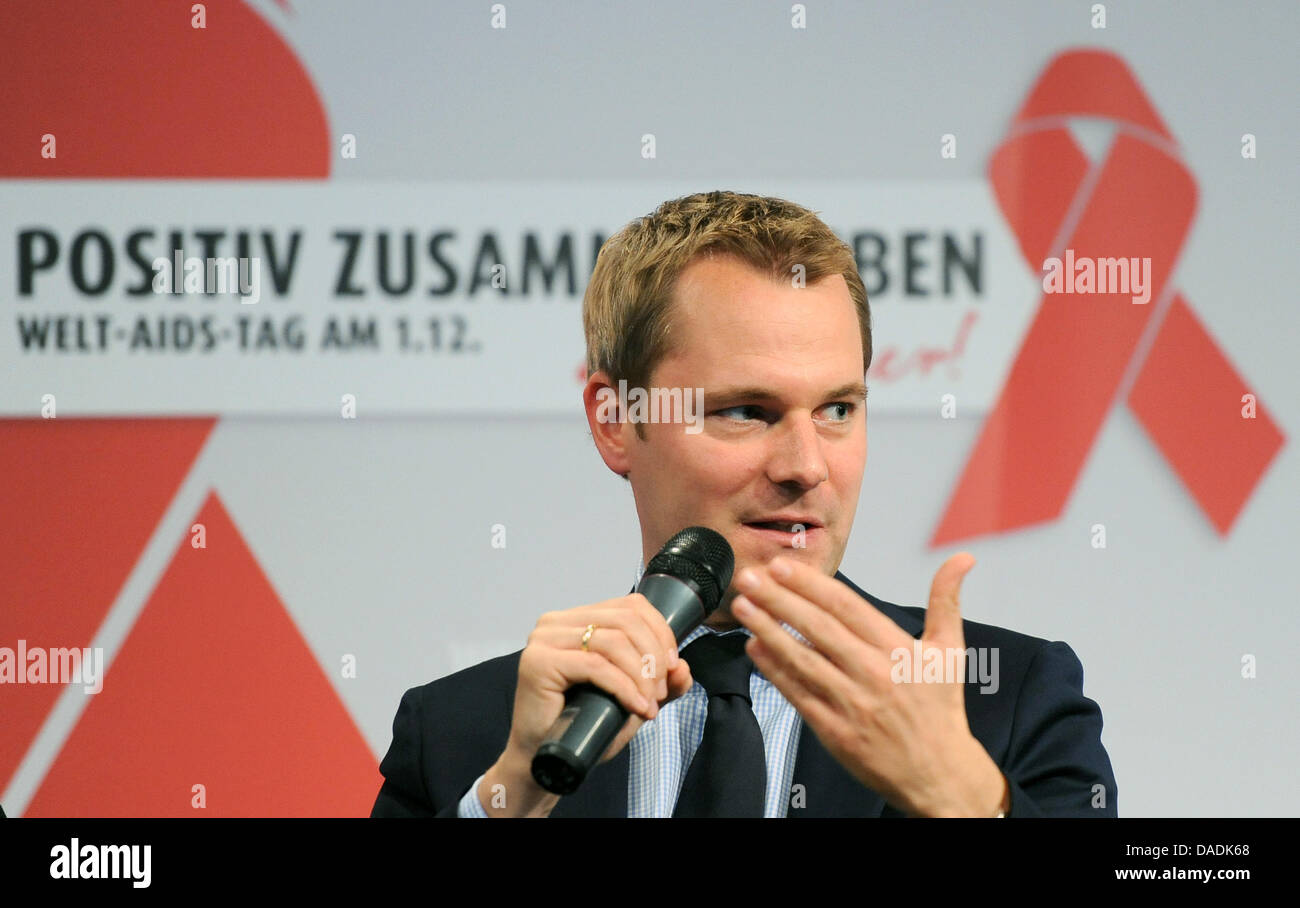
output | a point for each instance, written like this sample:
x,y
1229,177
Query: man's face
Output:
x,y
784,437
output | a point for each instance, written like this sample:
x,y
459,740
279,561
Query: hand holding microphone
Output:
x,y
576,707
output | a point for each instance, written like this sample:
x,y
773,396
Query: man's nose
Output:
x,y
797,458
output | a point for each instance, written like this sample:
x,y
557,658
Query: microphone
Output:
x,y
684,583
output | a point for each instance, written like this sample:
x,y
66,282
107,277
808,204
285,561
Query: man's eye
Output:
x,y
741,413
841,411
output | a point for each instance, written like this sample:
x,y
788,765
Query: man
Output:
x,y
756,302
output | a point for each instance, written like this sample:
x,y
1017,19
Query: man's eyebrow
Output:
x,y
725,395
853,390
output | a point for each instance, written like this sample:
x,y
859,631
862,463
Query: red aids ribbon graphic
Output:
x,y
1085,349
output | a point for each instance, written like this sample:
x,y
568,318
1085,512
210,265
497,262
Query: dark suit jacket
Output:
x,y
1038,727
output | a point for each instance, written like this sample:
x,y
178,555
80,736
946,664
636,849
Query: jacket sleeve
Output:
x,y
1056,765
405,792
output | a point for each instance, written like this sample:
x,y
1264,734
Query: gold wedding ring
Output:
x,y
586,636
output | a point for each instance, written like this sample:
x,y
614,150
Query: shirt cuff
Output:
x,y
470,806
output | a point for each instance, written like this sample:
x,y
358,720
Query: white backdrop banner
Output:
x,y
198,297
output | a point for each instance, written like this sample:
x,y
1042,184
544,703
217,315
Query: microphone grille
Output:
x,y
700,555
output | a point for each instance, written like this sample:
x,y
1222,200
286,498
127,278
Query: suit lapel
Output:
x,y
827,788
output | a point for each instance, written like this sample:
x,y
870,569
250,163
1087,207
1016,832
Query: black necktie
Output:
x,y
728,775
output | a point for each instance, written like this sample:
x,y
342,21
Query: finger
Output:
x,y
633,604
611,643
679,680
851,654
857,614
943,617
576,667
825,719
648,637
813,669
624,618
657,623
806,701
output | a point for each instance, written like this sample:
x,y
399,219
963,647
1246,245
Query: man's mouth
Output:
x,y
786,530
790,523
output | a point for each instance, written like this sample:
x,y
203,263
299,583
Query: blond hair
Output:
x,y
626,308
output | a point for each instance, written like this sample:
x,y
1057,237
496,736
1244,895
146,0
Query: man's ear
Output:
x,y
605,417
